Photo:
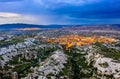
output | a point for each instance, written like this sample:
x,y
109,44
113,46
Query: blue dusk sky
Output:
x,y
45,12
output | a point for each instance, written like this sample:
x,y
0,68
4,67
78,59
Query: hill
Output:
x,y
78,27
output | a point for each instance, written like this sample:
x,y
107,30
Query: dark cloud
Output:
x,y
105,9
67,11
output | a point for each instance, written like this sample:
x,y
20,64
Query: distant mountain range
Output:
x,y
100,26
12,26
95,27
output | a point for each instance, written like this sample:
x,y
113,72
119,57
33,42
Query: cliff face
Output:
x,y
105,66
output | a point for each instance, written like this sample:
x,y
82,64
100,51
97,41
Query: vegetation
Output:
x,y
4,43
76,65
45,53
22,67
16,40
108,52
14,60
104,65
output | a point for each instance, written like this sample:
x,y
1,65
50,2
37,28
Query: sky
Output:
x,y
46,12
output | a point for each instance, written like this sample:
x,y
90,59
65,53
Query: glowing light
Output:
x,y
71,40
27,29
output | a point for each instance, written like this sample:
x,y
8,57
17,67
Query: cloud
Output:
x,y
77,2
6,17
60,11
51,4
65,1
73,20
10,0
9,15
94,9
100,10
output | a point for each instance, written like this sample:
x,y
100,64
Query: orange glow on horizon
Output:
x,y
27,29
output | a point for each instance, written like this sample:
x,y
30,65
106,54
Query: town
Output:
x,y
71,40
